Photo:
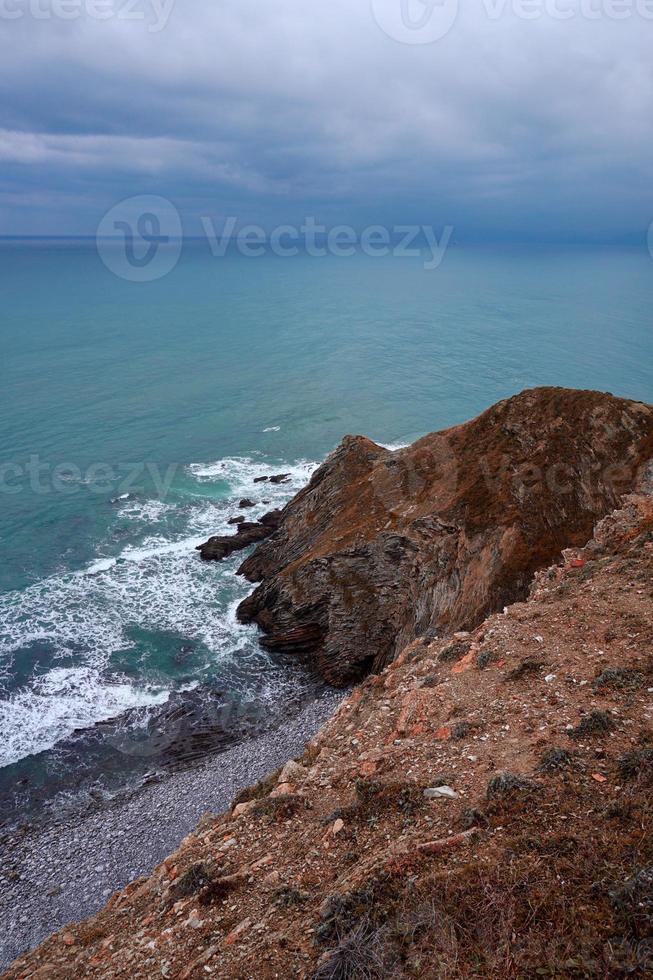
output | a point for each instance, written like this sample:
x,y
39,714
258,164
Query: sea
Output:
x,y
134,416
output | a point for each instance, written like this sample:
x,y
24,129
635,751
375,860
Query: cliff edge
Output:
x,y
382,547
481,806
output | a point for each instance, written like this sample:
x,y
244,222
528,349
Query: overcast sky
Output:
x,y
506,126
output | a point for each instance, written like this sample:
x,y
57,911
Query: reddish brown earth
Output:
x,y
339,866
536,861
383,547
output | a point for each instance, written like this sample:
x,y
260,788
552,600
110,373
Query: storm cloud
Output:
x,y
523,119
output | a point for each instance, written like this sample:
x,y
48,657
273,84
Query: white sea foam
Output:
x,y
147,511
393,446
101,565
35,718
159,584
240,472
272,428
162,587
157,547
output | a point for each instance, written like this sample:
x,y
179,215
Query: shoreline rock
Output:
x,y
385,546
220,546
445,818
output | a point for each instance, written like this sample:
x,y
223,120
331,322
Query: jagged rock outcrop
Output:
x,y
384,546
220,546
479,809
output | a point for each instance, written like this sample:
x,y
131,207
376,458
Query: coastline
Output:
x,y
468,761
66,870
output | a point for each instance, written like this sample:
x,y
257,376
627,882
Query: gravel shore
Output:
x,y
65,871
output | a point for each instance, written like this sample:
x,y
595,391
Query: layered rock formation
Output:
x,y
384,546
220,546
481,809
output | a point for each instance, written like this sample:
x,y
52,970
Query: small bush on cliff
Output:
x,y
526,668
636,764
595,723
366,908
464,728
286,896
196,877
618,678
555,759
507,784
485,658
473,817
634,898
432,680
358,956
454,652
375,797
280,807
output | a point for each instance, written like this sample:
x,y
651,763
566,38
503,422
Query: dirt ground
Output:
x,y
481,808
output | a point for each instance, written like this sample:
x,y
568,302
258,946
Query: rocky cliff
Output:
x,y
382,547
480,808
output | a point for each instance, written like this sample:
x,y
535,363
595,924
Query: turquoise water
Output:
x,y
134,416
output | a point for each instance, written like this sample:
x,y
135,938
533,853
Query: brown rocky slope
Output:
x,y
483,807
382,546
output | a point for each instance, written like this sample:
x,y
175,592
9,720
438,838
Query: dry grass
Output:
x,y
619,678
595,723
280,807
557,899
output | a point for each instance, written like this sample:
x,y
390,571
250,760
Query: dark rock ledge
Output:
x,y
249,532
385,546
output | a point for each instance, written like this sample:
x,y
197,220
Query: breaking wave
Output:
x,y
72,627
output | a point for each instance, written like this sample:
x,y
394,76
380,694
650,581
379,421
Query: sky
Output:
x,y
527,120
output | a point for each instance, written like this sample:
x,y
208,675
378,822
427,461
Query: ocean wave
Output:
x,y
101,565
393,446
65,699
148,511
81,619
239,472
161,585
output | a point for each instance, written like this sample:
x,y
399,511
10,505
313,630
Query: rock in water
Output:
x,y
383,546
249,532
